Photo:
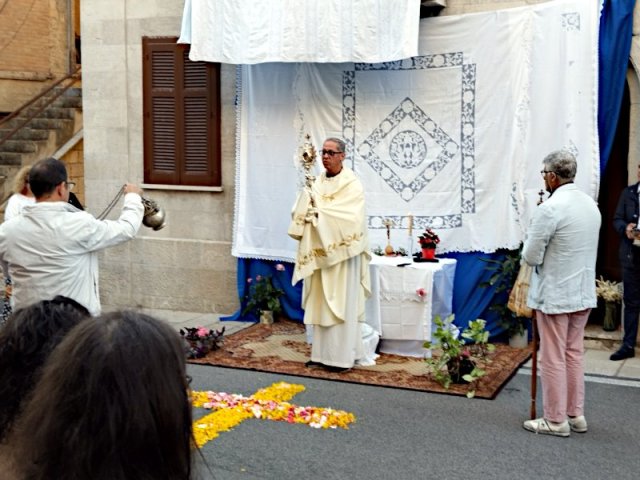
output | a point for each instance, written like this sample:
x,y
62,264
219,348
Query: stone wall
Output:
x,y
633,80
34,48
187,265
74,161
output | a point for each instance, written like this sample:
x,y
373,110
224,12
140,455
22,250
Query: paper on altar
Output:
x,y
454,136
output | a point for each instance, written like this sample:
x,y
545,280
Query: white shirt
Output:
x,y
16,203
51,249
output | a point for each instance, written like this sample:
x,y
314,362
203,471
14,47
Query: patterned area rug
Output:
x,y
282,348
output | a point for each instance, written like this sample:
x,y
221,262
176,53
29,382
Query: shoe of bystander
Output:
x,y
578,424
545,427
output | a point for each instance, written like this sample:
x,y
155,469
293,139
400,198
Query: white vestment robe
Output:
x,y
333,259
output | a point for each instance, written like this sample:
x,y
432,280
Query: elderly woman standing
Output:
x,y
22,196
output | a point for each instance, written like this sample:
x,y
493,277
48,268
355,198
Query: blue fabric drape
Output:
x,y
290,301
616,28
470,301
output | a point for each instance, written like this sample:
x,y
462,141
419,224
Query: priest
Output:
x,y
333,257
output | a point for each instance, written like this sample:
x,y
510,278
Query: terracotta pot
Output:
x,y
428,253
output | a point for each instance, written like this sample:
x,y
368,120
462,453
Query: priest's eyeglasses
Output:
x,y
331,153
544,172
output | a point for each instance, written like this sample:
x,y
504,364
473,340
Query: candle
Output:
x,y
410,224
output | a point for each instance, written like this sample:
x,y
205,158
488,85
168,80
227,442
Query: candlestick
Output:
x,y
388,250
410,225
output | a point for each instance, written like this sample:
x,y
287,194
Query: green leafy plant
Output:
x,y
263,295
459,356
503,276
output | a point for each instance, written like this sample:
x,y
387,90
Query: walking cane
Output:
x,y
534,367
534,352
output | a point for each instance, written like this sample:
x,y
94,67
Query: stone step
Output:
x,y
50,112
25,133
49,123
10,158
19,146
71,91
596,338
68,102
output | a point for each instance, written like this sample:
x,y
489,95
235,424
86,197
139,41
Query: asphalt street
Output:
x,y
402,434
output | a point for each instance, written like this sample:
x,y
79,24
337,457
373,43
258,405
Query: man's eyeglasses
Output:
x,y
544,172
70,185
331,153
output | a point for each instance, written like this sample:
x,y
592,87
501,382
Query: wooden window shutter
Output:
x,y
181,116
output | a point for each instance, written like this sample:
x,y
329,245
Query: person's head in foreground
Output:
x,y
112,404
26,341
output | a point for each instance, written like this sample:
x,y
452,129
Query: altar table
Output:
x,y
404,300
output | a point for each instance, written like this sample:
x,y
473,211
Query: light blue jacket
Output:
x,y
562,244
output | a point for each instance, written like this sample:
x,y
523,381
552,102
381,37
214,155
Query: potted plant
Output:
x,y
459,357
263,297
200,340
503,276
428,241
611,293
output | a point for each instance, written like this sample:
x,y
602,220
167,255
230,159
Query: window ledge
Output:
x,y
182,188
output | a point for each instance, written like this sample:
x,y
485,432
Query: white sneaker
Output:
x,y
542,426
578,424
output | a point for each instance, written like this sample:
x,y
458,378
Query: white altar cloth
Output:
x,y
395,309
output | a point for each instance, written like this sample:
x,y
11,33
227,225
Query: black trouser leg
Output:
x,y
631,280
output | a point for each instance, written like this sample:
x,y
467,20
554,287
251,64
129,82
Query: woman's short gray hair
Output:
x,y
562,163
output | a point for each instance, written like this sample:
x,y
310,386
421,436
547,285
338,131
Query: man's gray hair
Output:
x,y
562,163
337,141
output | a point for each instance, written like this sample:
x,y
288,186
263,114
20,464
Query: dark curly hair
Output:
x,y
112,404
26,341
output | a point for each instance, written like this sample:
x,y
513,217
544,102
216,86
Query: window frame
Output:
x,y
166,74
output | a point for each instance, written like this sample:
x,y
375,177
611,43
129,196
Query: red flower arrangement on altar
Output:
x,y
429,239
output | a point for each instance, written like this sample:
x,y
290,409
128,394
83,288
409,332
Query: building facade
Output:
x,y
187,265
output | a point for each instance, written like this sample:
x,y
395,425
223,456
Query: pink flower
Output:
x,y
258,278
466,353
279,267
421,292
249,280
202,332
